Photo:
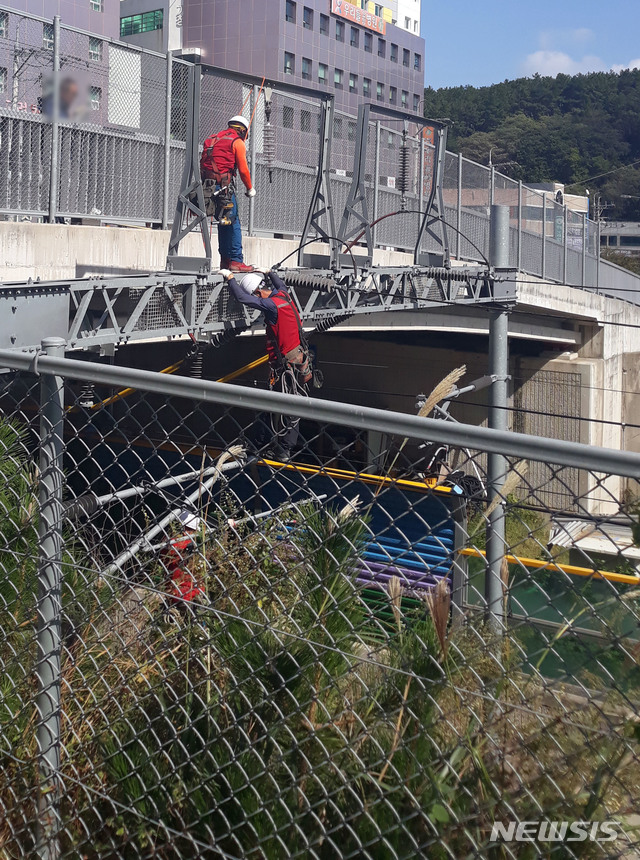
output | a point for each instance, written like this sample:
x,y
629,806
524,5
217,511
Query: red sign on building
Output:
x,y
358,16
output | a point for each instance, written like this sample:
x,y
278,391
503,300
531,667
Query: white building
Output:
x,y
409,15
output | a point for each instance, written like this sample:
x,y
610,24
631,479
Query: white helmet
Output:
x,y
252,282
189,520
239,120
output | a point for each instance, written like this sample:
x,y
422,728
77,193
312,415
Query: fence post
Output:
x,y
544,234
55,129
492,185
252,158
376,183
584,249
598,249
564,255
459,208
519,261
167,143
496,463
49,605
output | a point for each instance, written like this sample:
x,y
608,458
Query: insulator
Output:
x,y
403,178
197,364
328,323
269,145
227,335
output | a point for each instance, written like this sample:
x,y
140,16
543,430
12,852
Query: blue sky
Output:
x,y
481,42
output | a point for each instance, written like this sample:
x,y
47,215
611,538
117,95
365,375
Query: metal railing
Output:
x,y
209,652
116,148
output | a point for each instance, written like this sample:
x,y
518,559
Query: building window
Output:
x,y
393,95
289,63
337,127
406,57
339,31
366,87
355,37
415,26
394,53
95,97
378,10
337,78
323,71
416,103
290,11
351,130
407,23
380,92
353,83
613,240
307,18
4,25
96,5
47,36
324,25
417,62
144,23
630,241
382,48
305,120
95,49
3,80
368,43
306,69
404,98
287,116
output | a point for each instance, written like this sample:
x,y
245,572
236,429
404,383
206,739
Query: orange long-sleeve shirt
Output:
x,y
240,152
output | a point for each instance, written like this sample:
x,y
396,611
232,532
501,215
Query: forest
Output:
x,y
568,129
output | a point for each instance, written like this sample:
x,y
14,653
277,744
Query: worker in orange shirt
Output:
x,y
223,156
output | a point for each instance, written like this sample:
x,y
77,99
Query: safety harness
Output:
x,y
217,169
302,371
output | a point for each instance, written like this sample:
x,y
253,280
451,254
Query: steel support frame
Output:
x,y
321,206
116,311
356,209
191,185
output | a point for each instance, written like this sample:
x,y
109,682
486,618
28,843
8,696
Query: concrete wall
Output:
x,y
59,251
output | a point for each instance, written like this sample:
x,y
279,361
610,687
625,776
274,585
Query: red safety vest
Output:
x,y
182,583
286,332
218,154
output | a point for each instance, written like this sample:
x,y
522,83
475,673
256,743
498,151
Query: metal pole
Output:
x,y
565,223
496,468
376,183
598,240
54,168
496,462
544,234
584,249
167,143
49,604
492,186
421,176
519,261
459,212
499,237
252,158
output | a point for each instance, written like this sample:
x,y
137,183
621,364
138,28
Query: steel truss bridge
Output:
x,y
190,300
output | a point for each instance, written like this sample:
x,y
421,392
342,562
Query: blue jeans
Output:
x,y
230,238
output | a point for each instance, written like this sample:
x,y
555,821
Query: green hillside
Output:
x,y
568,129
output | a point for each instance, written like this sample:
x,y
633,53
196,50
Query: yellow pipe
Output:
x,y
537,563
172,369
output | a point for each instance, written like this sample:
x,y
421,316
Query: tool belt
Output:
x,y
218,191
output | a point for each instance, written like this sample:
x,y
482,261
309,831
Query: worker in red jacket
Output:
x,y
289,357
224,155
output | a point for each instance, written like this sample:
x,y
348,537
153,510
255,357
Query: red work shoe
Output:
x,y
240,268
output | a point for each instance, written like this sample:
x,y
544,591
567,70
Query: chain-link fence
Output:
x,y
209,652
119,142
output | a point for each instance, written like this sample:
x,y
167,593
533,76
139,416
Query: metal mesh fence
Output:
x,y
116,162
209,652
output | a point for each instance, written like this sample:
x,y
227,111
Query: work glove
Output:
x,y
251,193
226,273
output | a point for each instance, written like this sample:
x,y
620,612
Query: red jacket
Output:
x,y
286,332
182,583
225,152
